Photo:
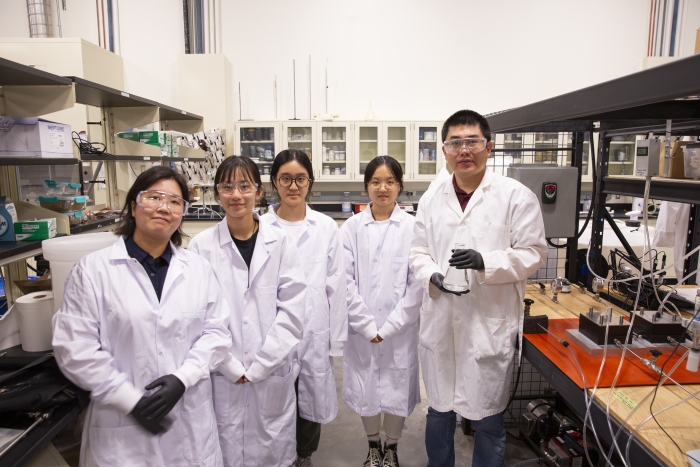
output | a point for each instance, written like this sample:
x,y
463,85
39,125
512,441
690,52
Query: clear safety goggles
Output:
x,y
454,146
244,188
152,199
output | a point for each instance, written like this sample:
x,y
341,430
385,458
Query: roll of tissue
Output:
x,y
35,311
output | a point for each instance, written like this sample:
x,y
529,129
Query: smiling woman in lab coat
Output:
x,y
326,322
140,315
262,277
380,371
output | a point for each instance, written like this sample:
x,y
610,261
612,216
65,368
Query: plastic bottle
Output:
x,y
346,206
587,204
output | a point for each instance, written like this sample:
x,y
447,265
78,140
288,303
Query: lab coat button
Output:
x,y
160,353
245,322
152,274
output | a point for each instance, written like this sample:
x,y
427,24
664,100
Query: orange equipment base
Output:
x,y
633,372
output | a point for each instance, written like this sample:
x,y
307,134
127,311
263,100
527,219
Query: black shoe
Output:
x,y
390,459
375,455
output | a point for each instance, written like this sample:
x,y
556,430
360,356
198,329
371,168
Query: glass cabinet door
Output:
x,y
258,141
427,151
334,154
367,144
397,142
621,160
299,136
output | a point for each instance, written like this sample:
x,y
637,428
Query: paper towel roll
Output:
x,y
35,311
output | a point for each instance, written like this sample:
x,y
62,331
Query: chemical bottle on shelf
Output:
x,y
345,206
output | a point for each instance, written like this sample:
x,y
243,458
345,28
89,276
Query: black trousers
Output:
x,y
308,432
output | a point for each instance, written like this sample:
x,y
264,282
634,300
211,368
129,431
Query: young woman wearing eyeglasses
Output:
x,y
380,370
262,277
142,324
325,325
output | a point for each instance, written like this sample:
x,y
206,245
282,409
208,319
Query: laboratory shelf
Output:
x,y
16,74
664,189
15,251
38,160
106,223
171,113
97,95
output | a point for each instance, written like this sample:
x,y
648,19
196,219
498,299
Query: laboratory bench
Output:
x,y
650,446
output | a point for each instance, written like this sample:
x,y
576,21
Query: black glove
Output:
x,y
153,426
437,279
160,403
467,259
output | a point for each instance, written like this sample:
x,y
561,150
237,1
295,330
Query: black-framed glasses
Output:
x,y
227,188
285,181
454,146
152,199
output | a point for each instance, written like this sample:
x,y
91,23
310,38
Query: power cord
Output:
x,y
86,147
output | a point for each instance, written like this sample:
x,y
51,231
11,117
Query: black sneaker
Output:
x,y
375,455
391,459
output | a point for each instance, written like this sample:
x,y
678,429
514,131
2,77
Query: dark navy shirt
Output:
x,y
156,268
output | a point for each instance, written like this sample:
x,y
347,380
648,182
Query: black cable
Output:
x,y
517,380
132,169
549,242
658,384
86,147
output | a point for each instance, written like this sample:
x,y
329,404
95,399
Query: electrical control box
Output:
x,y
647,157
555,188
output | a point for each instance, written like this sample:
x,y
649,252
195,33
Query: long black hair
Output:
x,y
143,182
391,163
289,155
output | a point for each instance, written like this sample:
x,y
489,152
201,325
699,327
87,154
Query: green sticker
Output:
x,y
626,401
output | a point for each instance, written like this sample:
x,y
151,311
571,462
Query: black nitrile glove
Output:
x,y
153,426
160,403
467,259
437,279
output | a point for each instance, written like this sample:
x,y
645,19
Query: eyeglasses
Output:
x,y
454,146
286,181
155,199
389,184
226,188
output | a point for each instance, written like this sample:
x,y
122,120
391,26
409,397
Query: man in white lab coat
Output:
x,y
468,340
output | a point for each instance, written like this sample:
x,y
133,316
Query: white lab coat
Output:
x,y
113,337
467,343
383,298
326,318
672,231
257,420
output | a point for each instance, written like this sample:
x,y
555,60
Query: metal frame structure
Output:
x,y
664,100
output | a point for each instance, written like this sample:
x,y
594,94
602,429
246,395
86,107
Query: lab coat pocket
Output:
x,y
201,436
192,322
405,348
116,447
267,304
221,391
428,328
492,339
319,351
316,271
492,236
399,271
279,392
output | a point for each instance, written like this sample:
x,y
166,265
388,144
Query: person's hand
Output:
x,y
437,278
467,259
242,380
377,339
148,423
160,403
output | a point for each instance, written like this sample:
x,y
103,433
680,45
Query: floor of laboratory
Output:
x,y
343,441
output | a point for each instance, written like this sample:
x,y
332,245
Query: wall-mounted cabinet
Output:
x,y
261,141
426,155
335,151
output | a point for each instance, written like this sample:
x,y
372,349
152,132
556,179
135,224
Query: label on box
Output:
x,y
626,401
56,140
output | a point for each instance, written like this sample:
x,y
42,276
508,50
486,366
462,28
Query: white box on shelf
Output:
x,y
34,137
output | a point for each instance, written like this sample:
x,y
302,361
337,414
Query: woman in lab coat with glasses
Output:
x,y
262,278
380,372
142,324
325,325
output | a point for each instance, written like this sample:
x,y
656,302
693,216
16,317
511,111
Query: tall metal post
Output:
x,y
692,241
598,218
572,248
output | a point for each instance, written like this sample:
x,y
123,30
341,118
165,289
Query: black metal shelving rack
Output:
x,y
635,104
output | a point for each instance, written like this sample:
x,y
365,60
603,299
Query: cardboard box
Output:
x,y
34,137
677,167
130,135
40,229
154,138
